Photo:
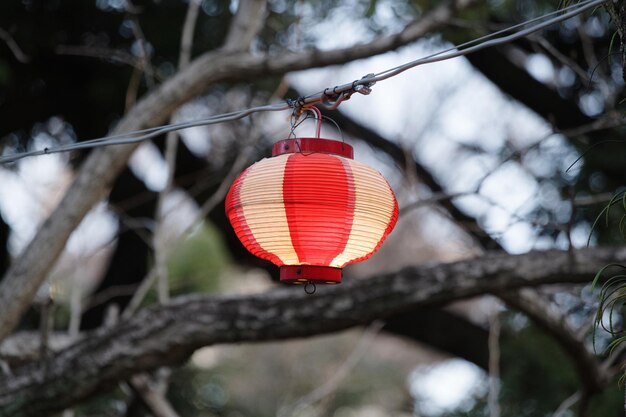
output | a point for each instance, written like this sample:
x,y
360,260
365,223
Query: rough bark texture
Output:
x,y
169,334
97,174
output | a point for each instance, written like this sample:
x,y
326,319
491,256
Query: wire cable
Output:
x,y
371,79
122,139
572,11
338,93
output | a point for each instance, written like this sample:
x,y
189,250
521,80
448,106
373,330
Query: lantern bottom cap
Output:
x,y
303,274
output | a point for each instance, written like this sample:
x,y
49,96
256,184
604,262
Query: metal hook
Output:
x,y
334,104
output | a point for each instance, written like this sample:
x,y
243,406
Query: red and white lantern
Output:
x,y
311,209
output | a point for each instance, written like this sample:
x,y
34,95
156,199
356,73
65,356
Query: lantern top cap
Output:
x,y
313,145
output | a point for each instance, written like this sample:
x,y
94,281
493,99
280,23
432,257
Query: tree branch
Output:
x,y
592,377
494,64
97,174
529,302
14,47
156,402
374,139
165,335
246,24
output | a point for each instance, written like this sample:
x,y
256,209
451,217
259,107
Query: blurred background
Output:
x,y
514,148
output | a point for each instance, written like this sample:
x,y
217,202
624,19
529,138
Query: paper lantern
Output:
x,y
311,209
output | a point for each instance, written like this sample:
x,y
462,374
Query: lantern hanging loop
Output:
x,y
297,113
295,124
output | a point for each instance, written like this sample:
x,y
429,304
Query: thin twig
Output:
x,y
186,41
171,149
592,376
434,199
108,54
14,47
592,200
564,59
567,404
157,403
132,89
146,64
209,205
5,368
109,293
340,374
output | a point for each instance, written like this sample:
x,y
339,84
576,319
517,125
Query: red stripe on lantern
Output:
x,y
319,197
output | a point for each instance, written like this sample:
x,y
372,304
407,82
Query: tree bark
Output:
x,y
97,174
165,335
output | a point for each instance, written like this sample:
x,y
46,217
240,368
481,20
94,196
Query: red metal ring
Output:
x,y
330,146
302,274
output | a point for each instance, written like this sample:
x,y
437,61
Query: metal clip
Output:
x,y
364,85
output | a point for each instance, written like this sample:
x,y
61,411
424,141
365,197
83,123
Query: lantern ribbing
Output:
x,y
310,210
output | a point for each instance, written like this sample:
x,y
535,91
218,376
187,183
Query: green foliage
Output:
x,y
612,294
260,380
608,403
536,377
197,262
606,213
105,405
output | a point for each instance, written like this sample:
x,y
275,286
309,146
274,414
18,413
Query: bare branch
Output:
x,y
189,27
98,172
340,374
157,403
119,56
171,149
208,205
146,64
592,375
166,335
14,47
246,24
567,404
